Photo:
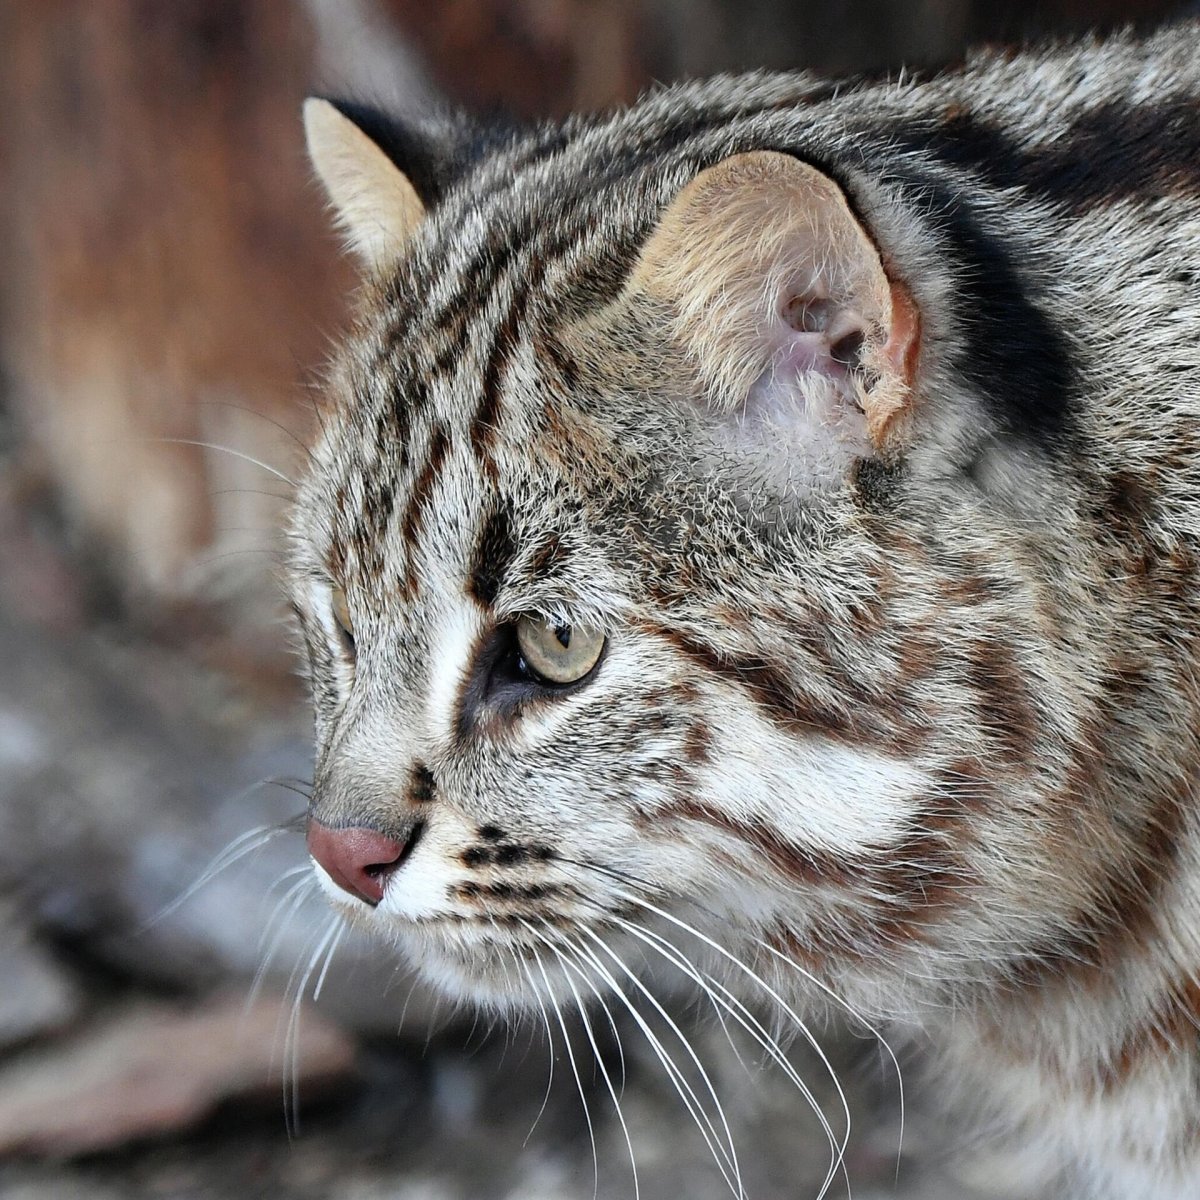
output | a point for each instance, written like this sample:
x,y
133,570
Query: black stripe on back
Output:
x,y
1110,153
1015,356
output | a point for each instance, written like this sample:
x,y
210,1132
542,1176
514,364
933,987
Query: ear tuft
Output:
x,y
779,298
375,203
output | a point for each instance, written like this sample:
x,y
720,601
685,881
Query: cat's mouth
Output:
x,y
384,871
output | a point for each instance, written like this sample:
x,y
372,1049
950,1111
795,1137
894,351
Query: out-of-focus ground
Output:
x,y
169,280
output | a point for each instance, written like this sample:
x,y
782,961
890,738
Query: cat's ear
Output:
x,y
380,175
782,301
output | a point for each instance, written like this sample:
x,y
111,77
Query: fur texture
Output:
x,y
901,709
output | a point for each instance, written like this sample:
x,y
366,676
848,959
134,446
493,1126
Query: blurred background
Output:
x,y
169,286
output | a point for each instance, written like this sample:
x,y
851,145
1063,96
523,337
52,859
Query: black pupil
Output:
x,y
563,634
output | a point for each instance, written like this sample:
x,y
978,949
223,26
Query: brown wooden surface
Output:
x,y
167,258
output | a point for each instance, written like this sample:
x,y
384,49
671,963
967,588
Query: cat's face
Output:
x,y
614,625
547,792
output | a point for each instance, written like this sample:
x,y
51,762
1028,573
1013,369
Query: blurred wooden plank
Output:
x,y
167,256
531,58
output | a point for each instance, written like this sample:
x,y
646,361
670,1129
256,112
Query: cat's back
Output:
x,y
1088,158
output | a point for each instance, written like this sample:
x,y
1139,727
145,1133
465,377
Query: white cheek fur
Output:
x,y
812,792
451,652
418,891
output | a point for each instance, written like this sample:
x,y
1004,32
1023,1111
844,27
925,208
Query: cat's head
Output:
x,y
631,598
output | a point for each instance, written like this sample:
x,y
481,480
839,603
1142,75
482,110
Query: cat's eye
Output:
x,y
341,614
558,654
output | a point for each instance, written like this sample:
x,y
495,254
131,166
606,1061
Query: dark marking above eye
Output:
x,y
476,856
491,833
493,555
510,855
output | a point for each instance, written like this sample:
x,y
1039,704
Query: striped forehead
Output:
x,y
457,491
456,381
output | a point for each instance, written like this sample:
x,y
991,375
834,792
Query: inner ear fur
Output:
x,y
765,270
375,203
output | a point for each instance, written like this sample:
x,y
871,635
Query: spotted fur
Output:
x,y
929,729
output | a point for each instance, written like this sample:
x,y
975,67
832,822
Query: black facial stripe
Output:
x,y
487,414
508,855
378,503
422,493
509,891
477,279
421,788
494,265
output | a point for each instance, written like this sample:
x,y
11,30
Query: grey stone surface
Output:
x,y
150,1069
37,996
405,1132
120,792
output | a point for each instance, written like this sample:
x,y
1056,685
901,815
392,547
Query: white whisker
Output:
x,y
297,986
341,929
839,1147
537,999
858,1018
574,1071
724,1155
568,969
290,901
233,852
722,998
225,450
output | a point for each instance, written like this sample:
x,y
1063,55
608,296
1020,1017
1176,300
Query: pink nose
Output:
x,y
358,860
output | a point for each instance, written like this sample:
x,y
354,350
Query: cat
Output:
x,y
759,530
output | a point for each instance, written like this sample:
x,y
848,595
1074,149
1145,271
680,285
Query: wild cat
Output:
x,y
758,530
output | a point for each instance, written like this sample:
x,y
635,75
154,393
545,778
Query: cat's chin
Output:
x,y
504,980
